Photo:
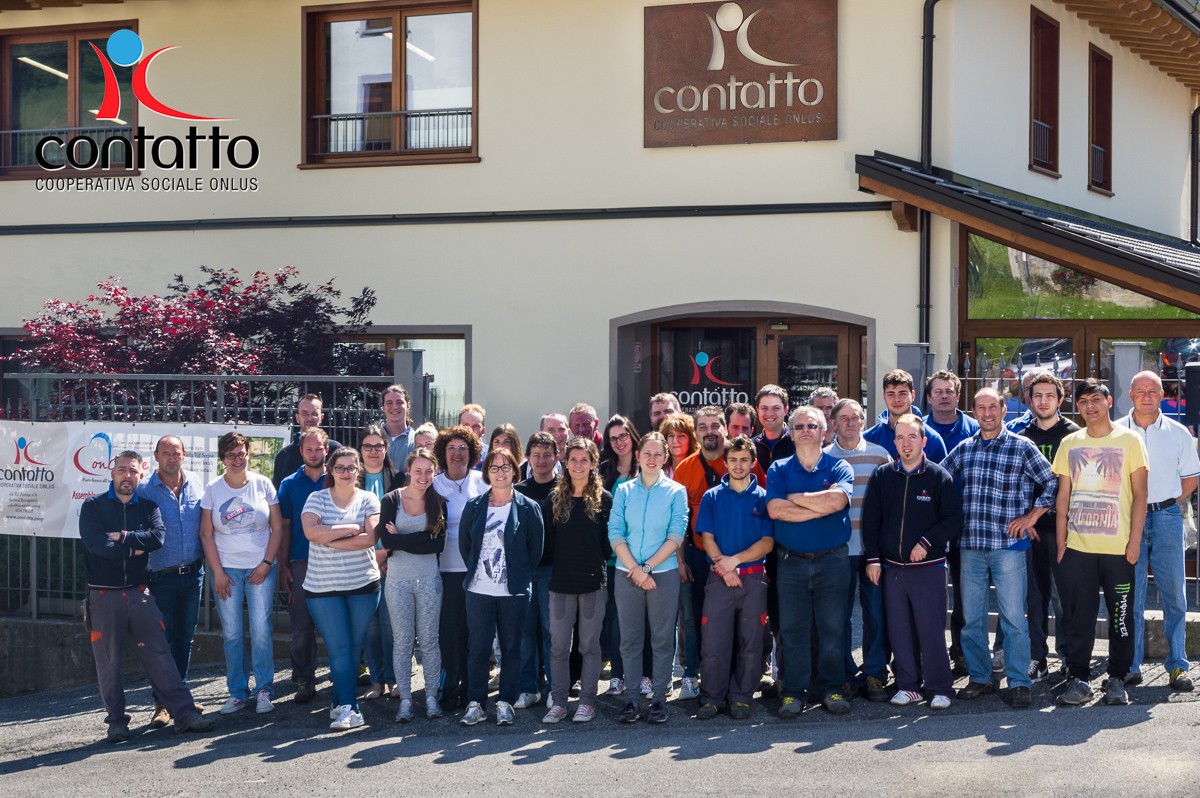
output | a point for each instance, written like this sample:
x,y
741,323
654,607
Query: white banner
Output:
x,y
48,469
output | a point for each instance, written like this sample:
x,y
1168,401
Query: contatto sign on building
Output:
x,y
737,73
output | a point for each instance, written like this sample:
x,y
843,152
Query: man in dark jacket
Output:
x,y
118,530
912,510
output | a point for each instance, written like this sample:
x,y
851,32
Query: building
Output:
x,y
596,201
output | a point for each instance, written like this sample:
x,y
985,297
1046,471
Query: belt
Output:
x,y
182,569
808,555
752,569
1154,507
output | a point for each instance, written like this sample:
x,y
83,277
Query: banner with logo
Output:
x,y
47,470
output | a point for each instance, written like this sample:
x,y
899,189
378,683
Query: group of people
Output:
x,y
731,542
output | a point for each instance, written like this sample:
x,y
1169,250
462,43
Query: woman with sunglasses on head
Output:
x,y
500,540
379,476
413,529
342,583
240,532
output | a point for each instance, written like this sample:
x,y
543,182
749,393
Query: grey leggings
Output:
x,y
662,605
584,614
415,606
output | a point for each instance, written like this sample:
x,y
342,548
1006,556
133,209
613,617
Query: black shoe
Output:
x,y
836,704
118,732
875,691
706,712
739,711
632,713
196,723
658,713
1020,697
975,689
959,667
305,692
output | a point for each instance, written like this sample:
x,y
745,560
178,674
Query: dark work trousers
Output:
x,y
732,613
111,615
954,561
1082,577
1042,568
915,607
452,638
304,632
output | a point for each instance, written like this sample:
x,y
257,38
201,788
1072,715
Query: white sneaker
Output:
x,y
473,715
940,702
336,712
616,686
527,700
676,670
554,715
690,689
647,687
233,705
504,713
350,719
263,705
905,697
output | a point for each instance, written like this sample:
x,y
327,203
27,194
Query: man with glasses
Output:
x,y
808,498
289,459
293,492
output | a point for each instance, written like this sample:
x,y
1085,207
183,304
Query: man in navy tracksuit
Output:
x,y
912,510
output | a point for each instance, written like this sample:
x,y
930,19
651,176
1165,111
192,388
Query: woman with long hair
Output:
x,y
618,463
578,539
413,530
379,476
507,437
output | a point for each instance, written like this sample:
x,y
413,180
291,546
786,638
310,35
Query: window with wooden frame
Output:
x,y
1100,115
390,83
52,84
1043,93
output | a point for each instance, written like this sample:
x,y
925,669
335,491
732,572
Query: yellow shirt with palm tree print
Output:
x,y
1101,472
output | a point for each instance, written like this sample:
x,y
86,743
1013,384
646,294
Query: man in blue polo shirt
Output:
x,y
735,529
294,491
808,498
898,395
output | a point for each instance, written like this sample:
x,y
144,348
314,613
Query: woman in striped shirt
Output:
x,y
342,583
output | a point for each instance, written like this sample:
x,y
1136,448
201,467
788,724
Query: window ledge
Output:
x,y
1041,170
1101,190
391,160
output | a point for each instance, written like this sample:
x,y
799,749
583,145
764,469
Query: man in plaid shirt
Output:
x,y
1006,486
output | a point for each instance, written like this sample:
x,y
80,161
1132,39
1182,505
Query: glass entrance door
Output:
x,y
707,365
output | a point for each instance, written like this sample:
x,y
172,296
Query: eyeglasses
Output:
x,y
459,449
810,427
374,447
235,455
622,438
500,468
345,469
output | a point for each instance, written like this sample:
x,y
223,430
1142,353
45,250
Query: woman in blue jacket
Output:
x,y
500,538
648,521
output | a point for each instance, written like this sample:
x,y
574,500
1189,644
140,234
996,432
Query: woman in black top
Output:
x,y
578,537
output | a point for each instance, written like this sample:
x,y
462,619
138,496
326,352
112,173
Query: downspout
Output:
x,y
1195,161
925,265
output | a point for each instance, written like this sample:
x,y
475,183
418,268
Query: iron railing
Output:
x,y
1099,166
392,131
18,148
1041,149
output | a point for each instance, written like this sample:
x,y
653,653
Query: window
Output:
x,y
1099,120
1043,94
390,83
53,84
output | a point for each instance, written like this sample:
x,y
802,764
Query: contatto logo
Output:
x,y
95,458
729,18
703,363
701,360
125,49
25,465
22,453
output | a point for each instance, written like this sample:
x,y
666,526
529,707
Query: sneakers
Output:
x,y
584,714
196,723
940,702
1114,692
739,711
903,698
117,732
647,687
233,705
336,712
875,691
836,704
657,713
1020,697
632,713
504,713
349,719
791,708
1133,679
473,715
555,715
1077,692
305,692
690,689
262,704
160,718
527,700
405,713
1038,669
616,686
706,712
433,709
975,689
1180,680
998,661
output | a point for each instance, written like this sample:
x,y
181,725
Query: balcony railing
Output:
x,y
1042,134
392,132
1099,166
18,148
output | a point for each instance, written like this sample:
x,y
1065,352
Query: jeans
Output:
x,y
1162,550
259,600
874,630
1007,571
379,641
812,604
342,622
691,608
304,635
178,599
452,638
535,659
489,618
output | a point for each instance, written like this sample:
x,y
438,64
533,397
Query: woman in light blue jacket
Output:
x,y
648,521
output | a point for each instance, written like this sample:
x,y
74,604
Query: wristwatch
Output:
x,y
646,568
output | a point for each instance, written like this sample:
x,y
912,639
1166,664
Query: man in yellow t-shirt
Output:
x,y
1101,510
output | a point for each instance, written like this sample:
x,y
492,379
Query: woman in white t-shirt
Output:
x,y
240,530
341,586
